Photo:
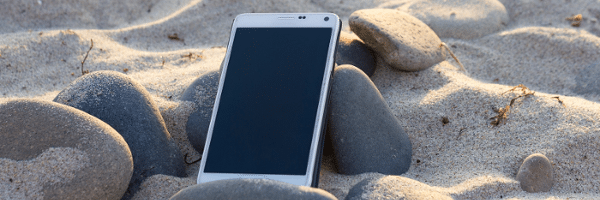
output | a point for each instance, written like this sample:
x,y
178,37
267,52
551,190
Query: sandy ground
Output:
x,y
44,42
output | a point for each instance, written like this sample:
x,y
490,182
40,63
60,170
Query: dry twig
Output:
x,y
503,112
575,20
174,37
85,58
559,101
453,56
191,56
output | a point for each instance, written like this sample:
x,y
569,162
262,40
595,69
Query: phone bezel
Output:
x,y
279,20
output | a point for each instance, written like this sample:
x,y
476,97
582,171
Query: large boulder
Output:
x,y
52,151
365,134
125,105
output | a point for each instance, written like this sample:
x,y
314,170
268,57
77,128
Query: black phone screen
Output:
x,y
268,106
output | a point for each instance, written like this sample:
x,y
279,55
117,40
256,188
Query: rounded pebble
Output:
x,y
463,19
64,153
125,105
394,187
262,189
202,92
353,51
366,136
402,40
535,174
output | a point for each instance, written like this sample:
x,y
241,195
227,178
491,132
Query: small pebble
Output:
x,y
536,174
403,41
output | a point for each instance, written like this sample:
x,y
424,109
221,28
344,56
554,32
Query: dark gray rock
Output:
x,y
262,189
366,136
536,174
353,51
125,105
202,92
404,42
587,80
463,19
394,187
30,127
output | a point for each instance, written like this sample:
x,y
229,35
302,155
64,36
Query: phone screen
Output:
x,y
268,106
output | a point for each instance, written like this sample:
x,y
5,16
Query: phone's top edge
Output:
x,y
285,14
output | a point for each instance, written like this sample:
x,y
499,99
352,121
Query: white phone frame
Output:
x,y
279,20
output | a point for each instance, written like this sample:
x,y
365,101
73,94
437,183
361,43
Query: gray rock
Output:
x,y
587,80
394,187
463,19
251,189
202,92
402,40
125,105
366,136
536,174
353,51
30,127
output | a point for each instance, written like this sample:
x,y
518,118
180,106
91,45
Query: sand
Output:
x,y
27,178
43,44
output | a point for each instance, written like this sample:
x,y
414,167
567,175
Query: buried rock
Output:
x,y
262,189
52,151
536,174
202,92
587,80
125,105
353,51
366,136
394,187
404,42
463,19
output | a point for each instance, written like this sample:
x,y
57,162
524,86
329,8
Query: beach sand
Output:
x,y
44,42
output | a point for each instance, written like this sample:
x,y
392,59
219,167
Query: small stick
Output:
x,y
453,56
559,101
85,58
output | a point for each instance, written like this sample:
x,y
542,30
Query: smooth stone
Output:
x,y
366,136
262,189
587,80
125,105
463,19
403,41
29,127
535,174
394,187
202,92
353,51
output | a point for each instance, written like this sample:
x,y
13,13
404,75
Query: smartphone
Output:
x,y
269,114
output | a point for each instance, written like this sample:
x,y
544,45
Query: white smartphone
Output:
x,y
269,115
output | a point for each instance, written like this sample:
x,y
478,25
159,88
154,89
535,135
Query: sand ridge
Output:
x,y
466,158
